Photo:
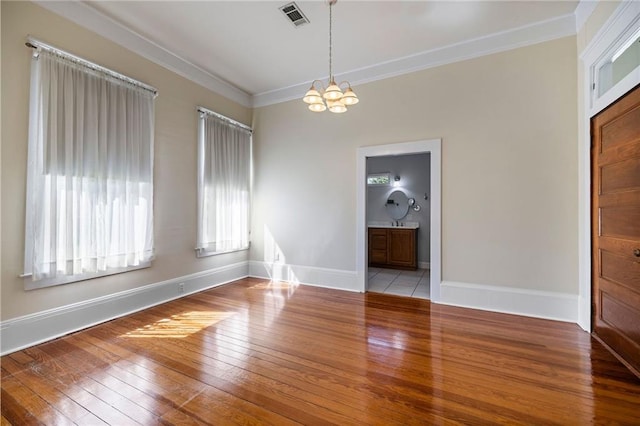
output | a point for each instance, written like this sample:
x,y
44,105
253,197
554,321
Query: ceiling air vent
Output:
x,y
294,14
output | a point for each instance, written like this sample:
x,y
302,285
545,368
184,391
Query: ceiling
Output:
x,y
258,54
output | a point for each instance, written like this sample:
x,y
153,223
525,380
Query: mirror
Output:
x,y
397,205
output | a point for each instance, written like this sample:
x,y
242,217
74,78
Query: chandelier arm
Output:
x,y
313,84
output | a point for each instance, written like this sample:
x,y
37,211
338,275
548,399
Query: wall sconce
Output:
x,y
413,205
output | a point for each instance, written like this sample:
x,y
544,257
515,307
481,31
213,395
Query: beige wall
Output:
x,y
509,142
175,159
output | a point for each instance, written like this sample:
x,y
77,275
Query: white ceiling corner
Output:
x,y
583,11
249,53
110,29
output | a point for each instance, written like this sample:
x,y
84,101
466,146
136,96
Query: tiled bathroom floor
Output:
x,y
402,283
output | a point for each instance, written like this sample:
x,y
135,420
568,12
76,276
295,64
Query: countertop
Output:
x,y
388,224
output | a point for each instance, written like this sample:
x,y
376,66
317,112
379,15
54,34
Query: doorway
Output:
x,y
431,147
615,199
399,233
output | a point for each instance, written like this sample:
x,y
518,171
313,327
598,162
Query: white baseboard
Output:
x,y
424,265
309,275
29,330
530,303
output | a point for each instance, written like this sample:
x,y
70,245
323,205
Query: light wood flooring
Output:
x,y
255,352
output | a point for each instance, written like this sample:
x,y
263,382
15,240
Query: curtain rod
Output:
x,y
225,118
39,45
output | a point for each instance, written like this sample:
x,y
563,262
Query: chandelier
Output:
x,y
319,98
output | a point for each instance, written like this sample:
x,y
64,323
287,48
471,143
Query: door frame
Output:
x,y
625,17
431,146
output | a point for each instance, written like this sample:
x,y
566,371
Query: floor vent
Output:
x,y
294,14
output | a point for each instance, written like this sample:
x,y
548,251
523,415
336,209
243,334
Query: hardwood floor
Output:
x,y
254,352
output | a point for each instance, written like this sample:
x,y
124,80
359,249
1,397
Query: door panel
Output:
x,y
620,316
624,129
615,159
400,247
622,270
621,176
620,221
377,246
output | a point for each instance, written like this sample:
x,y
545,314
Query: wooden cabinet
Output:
x,y
377,246
393,248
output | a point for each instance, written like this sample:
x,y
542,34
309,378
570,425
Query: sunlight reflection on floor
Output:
x,y
276,285
180,325
276,294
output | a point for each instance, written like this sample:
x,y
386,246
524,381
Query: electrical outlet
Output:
x,y
181,288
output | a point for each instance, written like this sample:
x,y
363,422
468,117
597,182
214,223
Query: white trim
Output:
x,y
602,42
29,330
309,275
626,45
623,22
583,11
527,35
424,265
201,252
433,146
88,17
29,284
530,303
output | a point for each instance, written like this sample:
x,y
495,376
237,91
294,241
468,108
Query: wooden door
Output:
x,y
402,247
615,197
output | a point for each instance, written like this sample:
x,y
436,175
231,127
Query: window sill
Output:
x,y
68,279
205,253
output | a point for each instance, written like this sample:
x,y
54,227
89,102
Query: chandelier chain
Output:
x,y
330,42
331,97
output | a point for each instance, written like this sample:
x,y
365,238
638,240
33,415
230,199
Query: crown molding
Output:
x,y
90,18
583,11
538,32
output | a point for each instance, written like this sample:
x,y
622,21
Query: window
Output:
x,y
90,171
224,184
379,179
613,58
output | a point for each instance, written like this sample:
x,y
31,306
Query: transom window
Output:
x,y
379,179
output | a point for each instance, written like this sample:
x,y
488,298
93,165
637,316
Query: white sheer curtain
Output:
x,y
90,172
224,185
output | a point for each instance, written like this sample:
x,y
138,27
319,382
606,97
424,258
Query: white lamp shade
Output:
x,y
349,97
333,92
318,106
337,106
312,97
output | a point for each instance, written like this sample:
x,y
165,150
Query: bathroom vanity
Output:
x,y
392,246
